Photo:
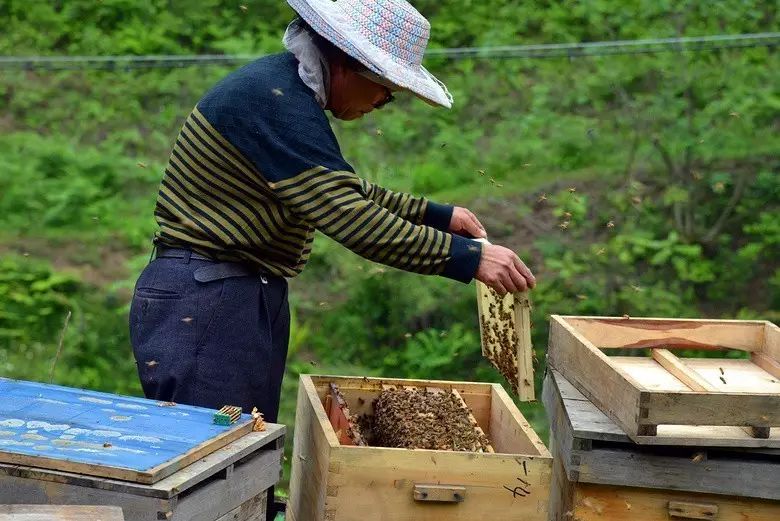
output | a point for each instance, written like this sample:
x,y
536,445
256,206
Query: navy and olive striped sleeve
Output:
x,y
419,210
287,138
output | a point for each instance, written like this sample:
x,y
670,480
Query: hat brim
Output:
x,y
328,20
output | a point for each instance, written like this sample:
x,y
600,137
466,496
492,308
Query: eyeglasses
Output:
x,y
388,98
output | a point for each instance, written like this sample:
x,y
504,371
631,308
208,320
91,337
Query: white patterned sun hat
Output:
x,y
387,36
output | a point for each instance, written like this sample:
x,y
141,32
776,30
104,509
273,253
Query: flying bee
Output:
x,y
567,215
277,92
610,224
141,164
572,189
481,172
243,8
542,198
564,225
379,132
601,251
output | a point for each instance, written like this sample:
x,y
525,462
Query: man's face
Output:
x,y
352,95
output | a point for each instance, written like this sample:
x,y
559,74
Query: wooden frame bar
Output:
x,y
505,323
735,417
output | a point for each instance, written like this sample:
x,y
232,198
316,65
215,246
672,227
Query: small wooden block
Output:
x,y
684,510
439,493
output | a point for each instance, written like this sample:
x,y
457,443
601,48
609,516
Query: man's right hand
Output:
x,y
501,269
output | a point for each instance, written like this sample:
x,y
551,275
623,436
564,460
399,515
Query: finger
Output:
x,y
498,286
523,269
508,283
518,279
479,230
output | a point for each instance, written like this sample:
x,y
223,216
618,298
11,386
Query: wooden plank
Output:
x,y
683,373
771,344
505,332
696,408
314,440
214,498
253,509
770,365
173,485
510,432
377,484
100,434
59,513
591,371
600,502
696,382
220,496
615,332
14,490
734,375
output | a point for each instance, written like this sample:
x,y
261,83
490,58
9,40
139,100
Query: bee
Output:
x,y
526,165
696,175
152,363
734,114
323,304
443,145
407,335
313,363
601,251
243,8
187,320
107,445
141,164
626,317
499,185
698,457
636,200
277,92
637,288
567,215
572,189
582,297
379,132
719,187
610,224
542,198
481,172
564,225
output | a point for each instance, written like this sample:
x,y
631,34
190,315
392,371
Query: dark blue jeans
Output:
x,y
218,340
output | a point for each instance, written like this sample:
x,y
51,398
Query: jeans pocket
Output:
x,y
156,293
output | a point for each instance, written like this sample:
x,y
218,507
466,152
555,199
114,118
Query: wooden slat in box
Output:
x,y
650,403
599,473
333,482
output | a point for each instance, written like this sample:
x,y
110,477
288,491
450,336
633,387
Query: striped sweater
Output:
x,y
256,169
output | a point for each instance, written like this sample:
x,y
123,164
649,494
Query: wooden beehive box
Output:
x,y
599,473
659,398
335,482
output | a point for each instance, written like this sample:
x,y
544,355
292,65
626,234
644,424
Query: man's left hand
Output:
x,y
465,223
